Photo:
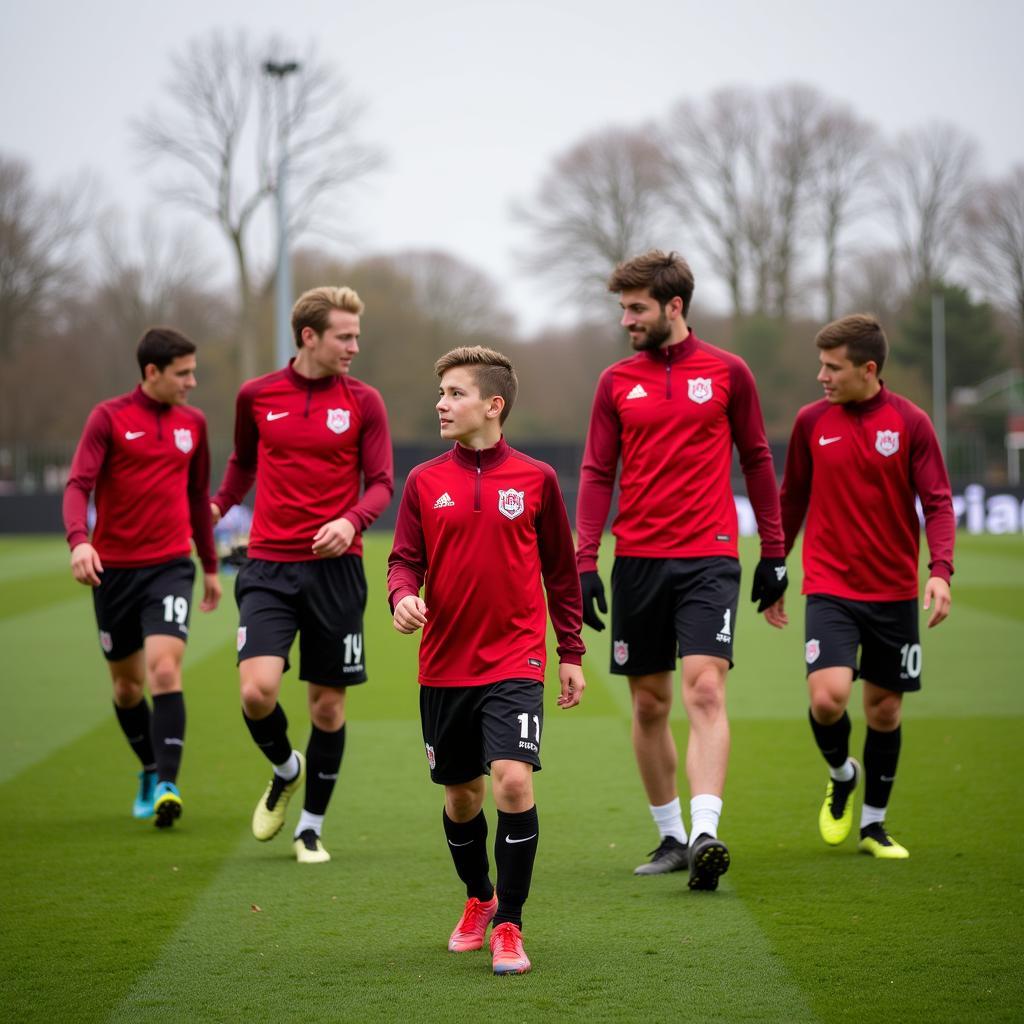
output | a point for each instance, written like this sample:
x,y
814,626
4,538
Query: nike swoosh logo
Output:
x,y
276,415
130,435
828,440
509,839
450,843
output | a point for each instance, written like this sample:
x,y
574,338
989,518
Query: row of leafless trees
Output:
x,y
781,194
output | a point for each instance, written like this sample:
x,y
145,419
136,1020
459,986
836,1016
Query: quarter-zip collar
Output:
x,y
869,404
674,353
481,459
158,409
309,383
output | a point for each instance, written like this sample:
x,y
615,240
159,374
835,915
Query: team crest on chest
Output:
x,y
338,420
511,503
183,439
699,389
887,442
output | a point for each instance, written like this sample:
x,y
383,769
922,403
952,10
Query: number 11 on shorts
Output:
x,y
524,727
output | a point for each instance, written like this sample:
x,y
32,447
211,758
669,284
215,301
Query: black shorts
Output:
x,y
664,608
131,604
888,633
465,728
323,601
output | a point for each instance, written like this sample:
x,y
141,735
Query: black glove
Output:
x,y
593,590
770,582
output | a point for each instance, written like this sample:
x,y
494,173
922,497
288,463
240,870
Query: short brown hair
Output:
x,y
491,370
161,346
862,335
664,275
313,308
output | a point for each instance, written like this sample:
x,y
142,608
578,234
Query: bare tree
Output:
x,y
847,156
710,149
40,233
995,240
927,188
219,135
595,208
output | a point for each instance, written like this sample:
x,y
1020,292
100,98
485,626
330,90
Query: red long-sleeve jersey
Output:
x,y
672,416
854,469
483,528
306,443
149,464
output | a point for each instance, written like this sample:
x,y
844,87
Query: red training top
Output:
x,y
482,528
149,464
854,469
673,415
305,443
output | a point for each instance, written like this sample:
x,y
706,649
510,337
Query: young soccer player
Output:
x,y
146,456
486,527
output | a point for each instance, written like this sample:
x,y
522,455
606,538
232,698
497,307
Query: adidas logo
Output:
x,y
637,392
445,501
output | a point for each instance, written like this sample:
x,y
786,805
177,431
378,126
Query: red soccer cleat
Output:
x,y
509,957
469,932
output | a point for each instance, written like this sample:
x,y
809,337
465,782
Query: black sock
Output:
x,y
135,724
323,761
271,735
881,755
833,740
515,849
168,734
467,843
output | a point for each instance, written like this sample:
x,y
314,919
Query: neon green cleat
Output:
x,y
268,818
835,819
876,841
309,849
166,804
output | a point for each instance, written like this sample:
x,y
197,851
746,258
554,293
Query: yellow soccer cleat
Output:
x,y
876,841
268,818
309,849
835,819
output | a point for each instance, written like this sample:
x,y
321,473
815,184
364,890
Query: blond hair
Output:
x,y
313,308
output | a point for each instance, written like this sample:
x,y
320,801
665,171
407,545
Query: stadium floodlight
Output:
x,y
283,292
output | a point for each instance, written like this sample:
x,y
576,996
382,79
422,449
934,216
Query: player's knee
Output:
x,y
462,803
165,676
127,691
650,709
327,716
884,715
513,784
827,708
257,700
705,694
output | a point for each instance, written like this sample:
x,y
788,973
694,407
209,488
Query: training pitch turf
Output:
x,y
107,919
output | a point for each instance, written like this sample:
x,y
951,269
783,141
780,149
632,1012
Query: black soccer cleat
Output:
x,y
671,855
709,859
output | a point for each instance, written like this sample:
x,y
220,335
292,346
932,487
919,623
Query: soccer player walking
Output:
x,y
486,528
306,435
857,460
670,414
146,456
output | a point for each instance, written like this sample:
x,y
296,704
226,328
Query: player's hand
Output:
x,y
211,592
775,615
593,593
573,684
770,582
936,591
215,513
86,565
334,538
410,614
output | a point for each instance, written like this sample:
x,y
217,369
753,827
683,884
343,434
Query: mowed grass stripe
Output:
x,y
363,938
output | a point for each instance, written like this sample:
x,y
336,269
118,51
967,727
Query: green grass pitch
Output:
x,y
106,919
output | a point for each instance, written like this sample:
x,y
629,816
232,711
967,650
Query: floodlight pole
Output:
x,y
939,368
283,347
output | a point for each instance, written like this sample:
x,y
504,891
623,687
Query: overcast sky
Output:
x,y
471,100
